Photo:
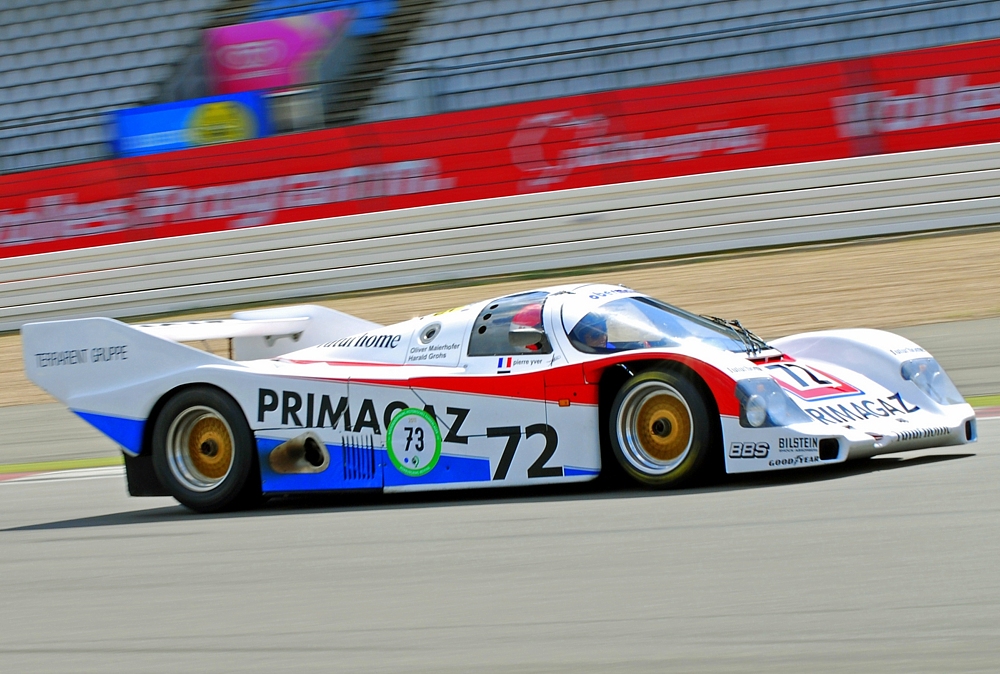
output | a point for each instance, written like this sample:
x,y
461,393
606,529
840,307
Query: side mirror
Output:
x,y
526,337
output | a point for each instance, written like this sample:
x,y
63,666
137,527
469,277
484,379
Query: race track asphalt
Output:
x,y
887,565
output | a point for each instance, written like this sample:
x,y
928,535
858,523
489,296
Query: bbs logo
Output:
x,y
749,450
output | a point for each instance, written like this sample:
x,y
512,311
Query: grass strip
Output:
x,y
983,401
68,464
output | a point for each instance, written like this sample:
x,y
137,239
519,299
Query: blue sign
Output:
x,y
191,123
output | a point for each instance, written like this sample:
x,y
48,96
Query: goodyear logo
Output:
x,y
220,122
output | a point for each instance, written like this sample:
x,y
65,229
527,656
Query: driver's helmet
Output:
x,y
592,330
529,316
528,320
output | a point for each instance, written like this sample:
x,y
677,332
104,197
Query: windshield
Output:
x,y
643,323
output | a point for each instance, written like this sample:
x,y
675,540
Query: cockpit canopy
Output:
x,y
596,319
637,322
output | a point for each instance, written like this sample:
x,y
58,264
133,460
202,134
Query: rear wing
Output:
x,y
78,359
103,365
265,333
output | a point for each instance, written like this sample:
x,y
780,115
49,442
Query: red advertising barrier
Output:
x,y
915,100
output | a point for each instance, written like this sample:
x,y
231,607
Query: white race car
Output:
x,y
543,387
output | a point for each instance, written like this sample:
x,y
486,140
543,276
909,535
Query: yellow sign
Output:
x,y
220,122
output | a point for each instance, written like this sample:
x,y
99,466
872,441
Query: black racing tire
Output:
x,y
204,452
660,430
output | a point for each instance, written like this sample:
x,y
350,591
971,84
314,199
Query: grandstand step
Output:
x,y
231,12
349,96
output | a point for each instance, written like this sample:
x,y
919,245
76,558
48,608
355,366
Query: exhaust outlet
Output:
x,y
304,453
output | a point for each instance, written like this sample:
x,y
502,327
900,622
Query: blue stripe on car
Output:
x,y
126,432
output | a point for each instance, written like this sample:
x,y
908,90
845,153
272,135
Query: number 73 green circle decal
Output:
x,y
413,442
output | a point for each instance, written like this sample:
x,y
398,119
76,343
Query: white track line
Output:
x,y
70,475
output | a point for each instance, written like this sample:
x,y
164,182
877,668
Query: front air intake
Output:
x,y
829,449
922,433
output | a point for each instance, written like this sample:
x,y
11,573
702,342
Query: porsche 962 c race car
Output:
x,y
543,387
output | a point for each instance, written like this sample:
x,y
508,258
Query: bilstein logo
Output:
x,y
798,444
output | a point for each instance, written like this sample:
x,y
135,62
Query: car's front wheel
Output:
x,y
660,429
204,451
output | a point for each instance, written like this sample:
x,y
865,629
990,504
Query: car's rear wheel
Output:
x,y
660,429
203,451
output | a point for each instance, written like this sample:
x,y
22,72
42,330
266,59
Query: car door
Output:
x,y
509,346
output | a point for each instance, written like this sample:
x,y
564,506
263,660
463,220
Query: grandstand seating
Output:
x,y
64,65
470,54
369,18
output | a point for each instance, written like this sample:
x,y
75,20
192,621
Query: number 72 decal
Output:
x,y
513,435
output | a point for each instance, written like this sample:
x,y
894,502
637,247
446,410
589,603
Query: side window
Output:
x,y
491,331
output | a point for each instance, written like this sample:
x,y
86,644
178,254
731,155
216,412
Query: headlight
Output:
x,y
763,403
931,379
755,410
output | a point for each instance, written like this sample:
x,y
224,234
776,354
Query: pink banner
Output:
x,y
270,54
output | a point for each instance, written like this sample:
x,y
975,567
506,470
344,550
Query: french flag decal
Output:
x,y
503,366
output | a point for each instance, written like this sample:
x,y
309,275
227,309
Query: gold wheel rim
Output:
x,y
663,427
200,448
654,428
210,448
